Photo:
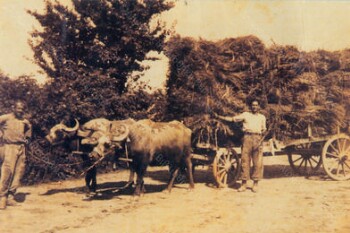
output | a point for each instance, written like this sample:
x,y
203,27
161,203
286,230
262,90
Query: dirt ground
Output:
x,y
284,203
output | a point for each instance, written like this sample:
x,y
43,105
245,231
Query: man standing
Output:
x,y
16,133
254,125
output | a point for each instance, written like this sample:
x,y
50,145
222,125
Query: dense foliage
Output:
x,y
295,88
89,52
46,107
110,37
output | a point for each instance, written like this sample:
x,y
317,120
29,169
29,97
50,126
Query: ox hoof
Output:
x,y
91,196
130,184
140,189
166,191
87,198
139,194
98,194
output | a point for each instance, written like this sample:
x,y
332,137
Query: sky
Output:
x,y
307,24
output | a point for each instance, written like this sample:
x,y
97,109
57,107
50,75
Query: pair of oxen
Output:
x,y
147,141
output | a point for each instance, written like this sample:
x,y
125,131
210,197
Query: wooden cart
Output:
x,y
305,157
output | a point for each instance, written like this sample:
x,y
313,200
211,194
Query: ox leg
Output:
x,y
173,175
189,171
140,186
90,179
131,178
140,171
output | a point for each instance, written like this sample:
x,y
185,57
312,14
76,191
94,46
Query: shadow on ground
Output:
x,y
109,190
200,175
20,197
107,186
284,171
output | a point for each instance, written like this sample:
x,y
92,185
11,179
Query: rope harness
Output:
x,y
31,154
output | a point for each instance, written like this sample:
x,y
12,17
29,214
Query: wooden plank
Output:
x,y
200,157
125,159
77,152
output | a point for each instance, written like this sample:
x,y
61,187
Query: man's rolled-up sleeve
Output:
x,y
239,118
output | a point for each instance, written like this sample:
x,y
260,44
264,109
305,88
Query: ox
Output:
x,y
93,139
150,142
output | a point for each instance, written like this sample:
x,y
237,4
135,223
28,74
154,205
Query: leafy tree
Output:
x,y
46,107
24,88
109,36
90,52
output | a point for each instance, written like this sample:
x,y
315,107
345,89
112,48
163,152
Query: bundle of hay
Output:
x,y
296,89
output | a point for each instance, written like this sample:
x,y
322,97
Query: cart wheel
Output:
x,y
336,157
304,164
226,167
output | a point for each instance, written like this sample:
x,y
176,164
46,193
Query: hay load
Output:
x,y
295,88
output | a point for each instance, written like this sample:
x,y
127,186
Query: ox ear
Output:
x,y
84,133
89,141
120,133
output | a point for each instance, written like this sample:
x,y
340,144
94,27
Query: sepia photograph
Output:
x,y
173,116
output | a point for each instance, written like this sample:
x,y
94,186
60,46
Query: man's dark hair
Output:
x,y
254,100
17,102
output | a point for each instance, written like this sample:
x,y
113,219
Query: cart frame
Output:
x,y
305,156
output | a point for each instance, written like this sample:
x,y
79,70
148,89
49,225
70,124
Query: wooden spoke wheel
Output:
x,y
226,167
336,157
303,160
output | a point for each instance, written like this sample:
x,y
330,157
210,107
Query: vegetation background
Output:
x,y
91,53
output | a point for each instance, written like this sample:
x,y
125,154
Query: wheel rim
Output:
x,y
304,164
226,167
336,157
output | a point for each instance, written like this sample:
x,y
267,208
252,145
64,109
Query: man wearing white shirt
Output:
x,y
254,125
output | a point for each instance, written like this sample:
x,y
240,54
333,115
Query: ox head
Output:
x,y
107,142
119,132
60,131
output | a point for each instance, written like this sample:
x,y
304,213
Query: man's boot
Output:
x,y
243,186
255,186
3,203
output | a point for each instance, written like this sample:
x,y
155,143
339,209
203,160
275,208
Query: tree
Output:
x,y
23,88
108,36
90,52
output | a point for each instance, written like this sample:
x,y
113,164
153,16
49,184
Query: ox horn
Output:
x,y
125,132
75,128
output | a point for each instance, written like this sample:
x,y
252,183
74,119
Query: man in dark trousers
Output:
x,y
16,134
254,125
